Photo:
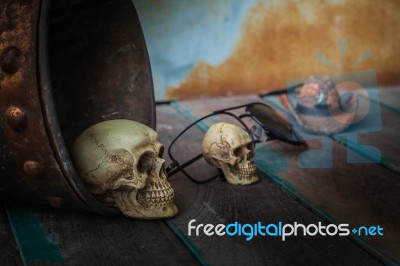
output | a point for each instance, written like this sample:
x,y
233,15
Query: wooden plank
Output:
x,y
383,144
389,97
49,236
364,192
169,125
219,202
9,254
379,142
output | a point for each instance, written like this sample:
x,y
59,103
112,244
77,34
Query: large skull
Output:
x,y
230,148
120,162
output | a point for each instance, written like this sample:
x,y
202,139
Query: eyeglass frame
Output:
x,y
175,166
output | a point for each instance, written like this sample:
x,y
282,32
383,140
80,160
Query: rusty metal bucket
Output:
x,y
64,68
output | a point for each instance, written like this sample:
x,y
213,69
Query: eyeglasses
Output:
x,y
259,120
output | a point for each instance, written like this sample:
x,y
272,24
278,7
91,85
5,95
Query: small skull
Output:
x,y
231,149
120,161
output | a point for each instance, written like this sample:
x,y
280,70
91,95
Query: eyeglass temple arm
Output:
x,y
231,108
196,181
173,168
280,91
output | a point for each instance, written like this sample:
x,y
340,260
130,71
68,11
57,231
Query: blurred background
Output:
x,y
204,48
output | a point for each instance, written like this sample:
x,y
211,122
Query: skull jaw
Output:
x,y
126,201
153,213
236,177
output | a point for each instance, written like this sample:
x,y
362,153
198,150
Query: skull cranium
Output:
x,y
231,149
120,161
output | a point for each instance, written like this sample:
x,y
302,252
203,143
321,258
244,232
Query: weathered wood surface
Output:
x,y
9,254
360,194
376,139
389,97
48,236
385,142
363,194
219,202
353,193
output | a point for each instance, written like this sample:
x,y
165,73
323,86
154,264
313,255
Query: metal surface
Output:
x,y
64,68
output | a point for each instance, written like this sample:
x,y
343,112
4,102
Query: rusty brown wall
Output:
x,y
299,38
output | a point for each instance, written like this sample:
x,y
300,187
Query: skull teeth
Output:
x,y
246,172
156,194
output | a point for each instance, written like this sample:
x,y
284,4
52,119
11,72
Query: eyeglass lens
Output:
x,y
276,124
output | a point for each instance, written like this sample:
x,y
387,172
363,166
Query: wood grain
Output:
x,y
362,194
9,254
389,97
48,236
385,142
219,202
356,193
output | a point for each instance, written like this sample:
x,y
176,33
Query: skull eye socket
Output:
x,y
251,152
238,152
161,152
146,162
250,146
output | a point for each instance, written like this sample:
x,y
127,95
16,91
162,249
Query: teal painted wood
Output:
x,y
329,204
207,203
389,98
57,237
33,240
385,140
259,198
9,254
193,249
169,125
